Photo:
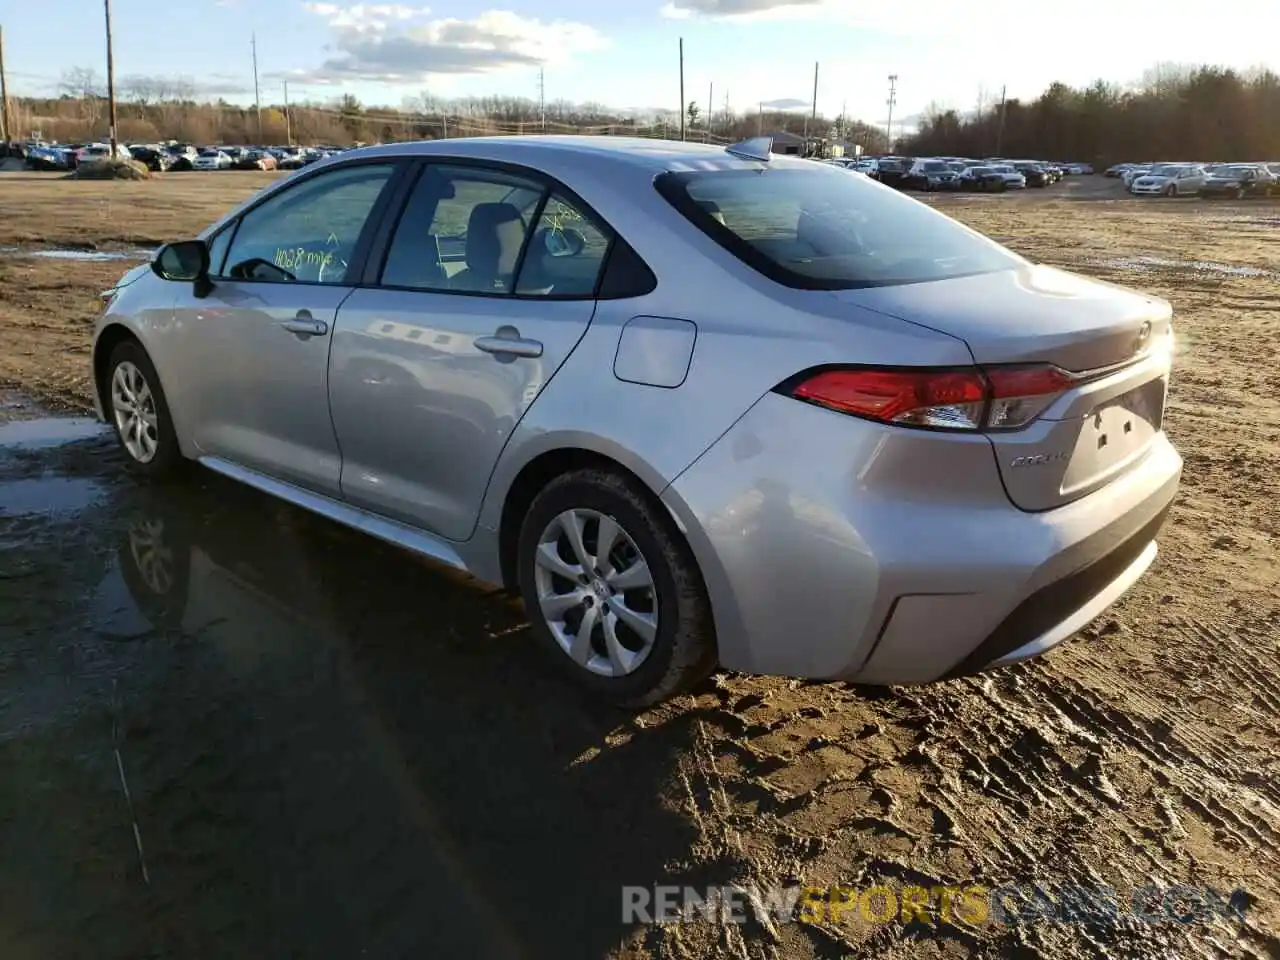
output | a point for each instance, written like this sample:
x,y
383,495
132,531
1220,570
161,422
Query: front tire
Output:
x,y
612,590
136,407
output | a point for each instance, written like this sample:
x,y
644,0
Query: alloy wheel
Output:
x,y
596,592
133,407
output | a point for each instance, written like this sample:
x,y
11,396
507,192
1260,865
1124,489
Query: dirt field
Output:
x,y
313,775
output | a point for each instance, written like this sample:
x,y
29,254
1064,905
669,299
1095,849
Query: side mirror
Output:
x,y
187,260
565,242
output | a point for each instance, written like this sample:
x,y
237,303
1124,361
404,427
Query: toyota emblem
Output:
x,y
1144,334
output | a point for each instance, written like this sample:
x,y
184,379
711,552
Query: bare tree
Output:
x,y
83,84
140,89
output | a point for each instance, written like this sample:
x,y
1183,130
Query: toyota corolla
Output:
x,y
697,406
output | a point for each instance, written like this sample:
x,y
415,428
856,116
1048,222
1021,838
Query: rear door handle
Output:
x,y
510,346
306,325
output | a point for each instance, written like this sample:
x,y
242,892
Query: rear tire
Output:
x,y
643,601
136,407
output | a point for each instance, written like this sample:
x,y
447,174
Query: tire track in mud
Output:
x,y
1060,772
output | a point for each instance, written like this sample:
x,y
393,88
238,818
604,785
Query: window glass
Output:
x,y
462,230
308,233
565,254
815,229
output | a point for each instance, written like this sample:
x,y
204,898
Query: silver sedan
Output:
x,y
697,405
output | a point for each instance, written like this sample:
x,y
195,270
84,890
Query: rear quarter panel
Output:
x,y
751,335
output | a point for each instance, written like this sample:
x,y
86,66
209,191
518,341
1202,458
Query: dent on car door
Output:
x,y
255,347
488,285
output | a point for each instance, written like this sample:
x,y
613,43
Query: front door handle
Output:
x,y
306,325
512,346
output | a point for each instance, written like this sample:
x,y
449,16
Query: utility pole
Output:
x,y
257,100
815,107
893,99
542,97
683,109
111,83
760,119
5,129
1000,129
288,121
711,109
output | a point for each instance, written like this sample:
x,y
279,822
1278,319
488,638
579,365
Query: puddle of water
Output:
x,y
80,256
1199,266
47,432
47,495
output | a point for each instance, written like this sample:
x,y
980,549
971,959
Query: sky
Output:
x,y
624,53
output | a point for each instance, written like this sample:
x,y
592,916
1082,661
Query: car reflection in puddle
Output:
x,y
331,749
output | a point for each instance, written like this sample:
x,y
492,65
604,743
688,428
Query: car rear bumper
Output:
x,y
837,548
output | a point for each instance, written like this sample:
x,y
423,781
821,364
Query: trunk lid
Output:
x,y
1032,314
1119,340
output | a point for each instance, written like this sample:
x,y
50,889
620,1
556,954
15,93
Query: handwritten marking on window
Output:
x,y
294,258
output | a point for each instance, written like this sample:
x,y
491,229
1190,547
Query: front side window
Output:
x,y
813,229
308,233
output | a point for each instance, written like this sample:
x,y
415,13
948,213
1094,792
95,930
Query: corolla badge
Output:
x,y
1037,459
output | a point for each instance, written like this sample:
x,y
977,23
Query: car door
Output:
x,y
255,346
487,286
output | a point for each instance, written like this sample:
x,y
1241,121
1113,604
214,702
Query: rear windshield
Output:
x,y
815,229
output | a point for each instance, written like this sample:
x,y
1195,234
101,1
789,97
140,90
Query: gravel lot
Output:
x,y
230,729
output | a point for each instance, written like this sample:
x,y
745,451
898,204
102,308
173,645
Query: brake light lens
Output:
x,y
970,398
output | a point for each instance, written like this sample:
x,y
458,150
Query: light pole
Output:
x,y
893,99
111,83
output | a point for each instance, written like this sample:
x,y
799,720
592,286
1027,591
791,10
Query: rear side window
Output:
x,y
816,229
566,252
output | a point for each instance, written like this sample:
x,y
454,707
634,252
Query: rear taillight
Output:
x,y
950,399
968,398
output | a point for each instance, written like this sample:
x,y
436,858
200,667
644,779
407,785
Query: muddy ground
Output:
x,y
230,729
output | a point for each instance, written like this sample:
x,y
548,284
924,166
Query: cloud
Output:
x,y
739,9
396,43
786,103
152,87
881,17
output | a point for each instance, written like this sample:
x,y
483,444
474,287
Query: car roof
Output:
x,y
566,154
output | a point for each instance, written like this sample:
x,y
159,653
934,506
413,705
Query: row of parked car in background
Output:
x,y
173,156
1207,180
994,174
